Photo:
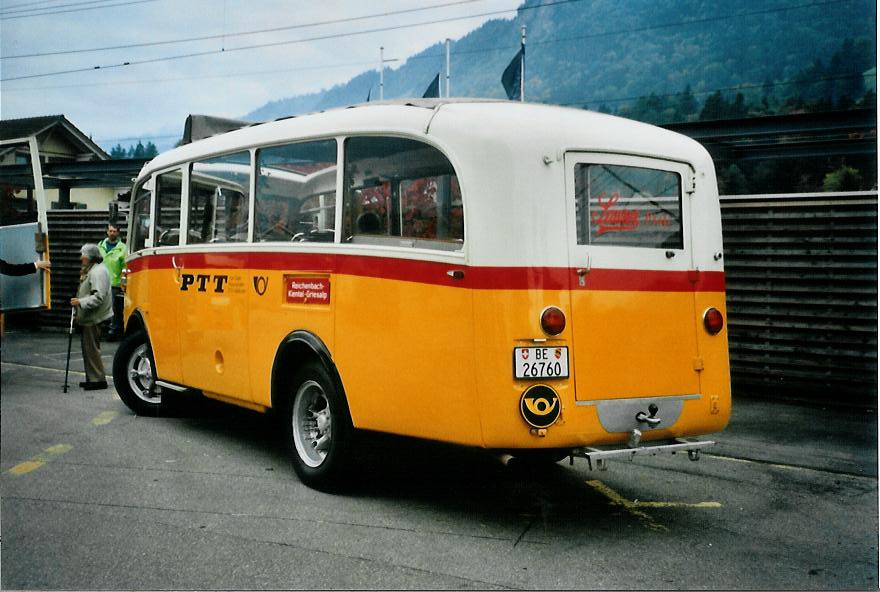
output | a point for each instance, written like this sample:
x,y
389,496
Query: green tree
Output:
x,y
714,107
139,150
738,109
151,150
687,105
845,178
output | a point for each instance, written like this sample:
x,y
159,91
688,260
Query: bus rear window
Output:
x,y
628,206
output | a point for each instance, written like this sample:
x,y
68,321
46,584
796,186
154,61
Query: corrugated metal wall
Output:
x,y
802,294
68,231
801,290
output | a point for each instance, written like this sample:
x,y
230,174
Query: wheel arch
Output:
x,y
136,322
296,349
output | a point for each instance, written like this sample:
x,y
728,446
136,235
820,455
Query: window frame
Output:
x,y
586,217
149,183
187,166
337,218
155,210
626,257
387,243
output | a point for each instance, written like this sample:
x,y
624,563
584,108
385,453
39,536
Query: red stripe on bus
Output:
x,y
432,272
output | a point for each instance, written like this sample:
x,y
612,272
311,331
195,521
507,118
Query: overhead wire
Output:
x,y
33,8
80,9
293,41
31,5
242,33
484,50
435,21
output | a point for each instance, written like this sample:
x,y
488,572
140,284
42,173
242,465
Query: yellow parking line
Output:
x,y
676,505
618,500
104,418
39,460
631,506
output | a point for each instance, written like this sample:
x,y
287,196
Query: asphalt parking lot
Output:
x,y
94,497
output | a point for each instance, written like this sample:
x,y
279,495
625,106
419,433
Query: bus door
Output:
x,y
633,312
213,305
23,227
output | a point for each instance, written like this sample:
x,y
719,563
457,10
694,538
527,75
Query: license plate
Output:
x,y
540,362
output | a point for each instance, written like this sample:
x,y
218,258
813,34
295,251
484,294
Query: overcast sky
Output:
x,y
119,104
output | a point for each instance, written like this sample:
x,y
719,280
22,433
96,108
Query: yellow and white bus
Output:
x,y
535,280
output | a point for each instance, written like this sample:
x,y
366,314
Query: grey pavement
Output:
x,y
94,497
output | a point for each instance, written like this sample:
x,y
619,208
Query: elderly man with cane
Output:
x,y
94,306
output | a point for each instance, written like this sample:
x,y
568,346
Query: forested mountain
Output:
x,y
654,60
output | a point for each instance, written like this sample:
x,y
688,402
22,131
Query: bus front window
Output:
x,y
141,220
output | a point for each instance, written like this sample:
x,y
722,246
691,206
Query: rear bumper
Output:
x,y
598,455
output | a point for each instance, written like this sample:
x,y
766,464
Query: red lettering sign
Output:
x,y
307,290
611,219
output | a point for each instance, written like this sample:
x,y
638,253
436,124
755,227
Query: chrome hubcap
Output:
x,y
140,375
312,423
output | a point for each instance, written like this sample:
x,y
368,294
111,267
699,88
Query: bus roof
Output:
x,y
540,127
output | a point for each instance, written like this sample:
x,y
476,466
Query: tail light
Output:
x,y
123,279
713,321
552,320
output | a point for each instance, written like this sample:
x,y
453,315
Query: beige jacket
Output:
x,y
95,300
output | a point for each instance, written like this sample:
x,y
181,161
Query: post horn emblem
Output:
x,y
540,406
261,282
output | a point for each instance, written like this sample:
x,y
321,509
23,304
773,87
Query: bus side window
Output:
x,y
219,199
140,213
296,192
401,192
168,190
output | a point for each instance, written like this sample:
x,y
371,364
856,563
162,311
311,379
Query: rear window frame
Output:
x,y
681,235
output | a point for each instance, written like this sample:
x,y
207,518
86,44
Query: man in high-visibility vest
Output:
x,y
113,251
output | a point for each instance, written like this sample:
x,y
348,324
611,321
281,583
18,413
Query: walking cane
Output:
x,y
69,343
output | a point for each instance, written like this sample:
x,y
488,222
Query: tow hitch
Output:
x,y
600,455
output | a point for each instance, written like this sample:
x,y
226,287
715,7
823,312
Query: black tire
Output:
x,y
317,429
134,375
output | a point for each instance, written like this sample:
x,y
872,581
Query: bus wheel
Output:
x,y
134,375
318,429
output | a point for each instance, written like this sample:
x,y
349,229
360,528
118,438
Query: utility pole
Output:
x,y
522,71
382,73
448,43
382,62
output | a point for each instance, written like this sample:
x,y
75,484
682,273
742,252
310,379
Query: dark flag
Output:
x,y
433,90
369,92
512,77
